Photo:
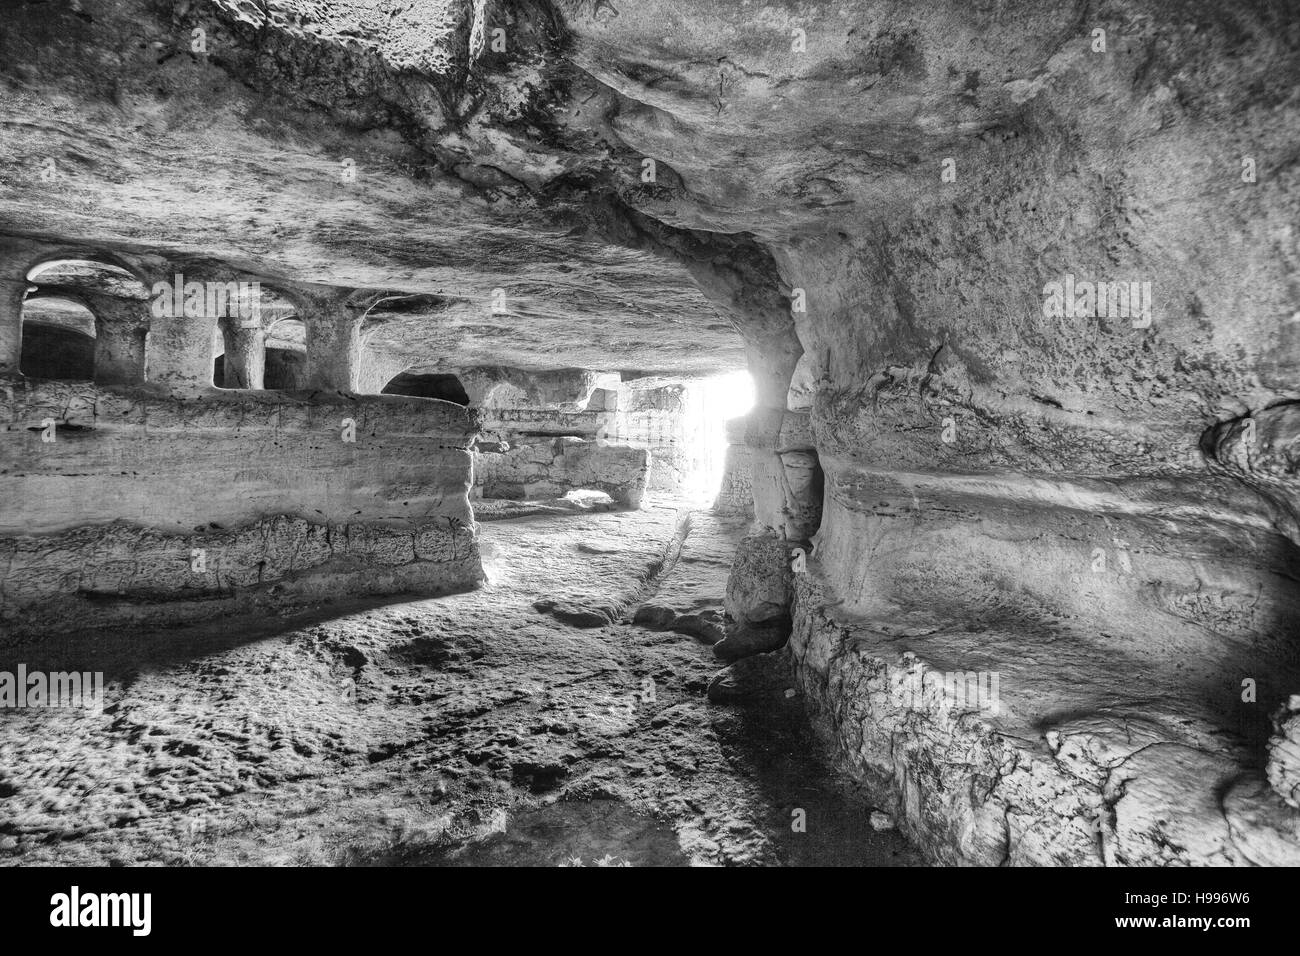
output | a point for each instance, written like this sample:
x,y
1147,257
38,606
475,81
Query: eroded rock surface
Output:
x,y
124,505
1016,285
435,732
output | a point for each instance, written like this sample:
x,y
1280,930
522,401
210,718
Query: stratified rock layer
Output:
x,y
126,506
900,216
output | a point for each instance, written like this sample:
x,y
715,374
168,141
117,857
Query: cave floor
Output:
x,y
469,729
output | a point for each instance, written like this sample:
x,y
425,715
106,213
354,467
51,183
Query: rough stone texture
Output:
x,y
785,475
467,730
1284,753
130,453
1069,768
761,584
630,570
506,393
692,602
1263,451
121,575
532,468
343,141
625,438
736,494
744,640
654,417
104,521
1101,510
760,590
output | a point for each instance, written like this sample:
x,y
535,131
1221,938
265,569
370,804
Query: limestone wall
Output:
x,y
121,505
544,468
544,436
654,418
736,495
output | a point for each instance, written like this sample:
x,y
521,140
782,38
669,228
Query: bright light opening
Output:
x,y
710,404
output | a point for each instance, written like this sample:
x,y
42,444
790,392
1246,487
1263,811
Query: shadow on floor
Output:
x,y
768,739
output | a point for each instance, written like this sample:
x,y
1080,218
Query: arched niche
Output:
x,y
105,274
58,340
262,344
118,305
439,385
286,355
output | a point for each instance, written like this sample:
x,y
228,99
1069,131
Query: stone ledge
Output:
x,y
116,575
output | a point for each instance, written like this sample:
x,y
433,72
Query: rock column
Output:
x,y
121,333
245,364
11,324
333,347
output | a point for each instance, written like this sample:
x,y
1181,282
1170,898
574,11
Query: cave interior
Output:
x,y
717,433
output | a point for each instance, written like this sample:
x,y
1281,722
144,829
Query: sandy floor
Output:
x,y
481,728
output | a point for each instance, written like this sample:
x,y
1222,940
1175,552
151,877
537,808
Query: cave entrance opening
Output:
x,y
58,340
710,404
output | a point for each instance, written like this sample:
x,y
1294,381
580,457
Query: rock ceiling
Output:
x,y
469,150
